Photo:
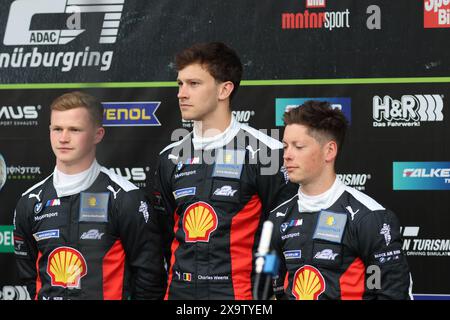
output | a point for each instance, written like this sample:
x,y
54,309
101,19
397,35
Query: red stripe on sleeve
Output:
x,y
352,281
242,237
173,248
38,277
113,272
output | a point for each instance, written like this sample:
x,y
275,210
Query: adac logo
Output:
x,y
308,283
199,221
21,13
66,266
122,114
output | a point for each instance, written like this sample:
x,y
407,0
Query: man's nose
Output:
x,y
182,92
65,136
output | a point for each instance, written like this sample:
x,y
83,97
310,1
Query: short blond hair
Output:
x,y
77,99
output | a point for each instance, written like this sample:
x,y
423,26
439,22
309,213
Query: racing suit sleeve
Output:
x,y
165,206
25,248
141,239
380,246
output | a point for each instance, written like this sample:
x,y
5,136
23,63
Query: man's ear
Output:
x,y
330,149
99,134
225,90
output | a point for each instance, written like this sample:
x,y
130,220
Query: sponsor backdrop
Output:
x,y
384,63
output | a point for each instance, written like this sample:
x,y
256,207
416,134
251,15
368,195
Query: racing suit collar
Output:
x,y
70,184
216,141
322,201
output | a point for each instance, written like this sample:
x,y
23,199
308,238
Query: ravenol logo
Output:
x,y
285,104
421,175
22,11
121,114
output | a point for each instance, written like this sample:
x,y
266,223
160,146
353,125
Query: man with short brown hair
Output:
x,y
334,241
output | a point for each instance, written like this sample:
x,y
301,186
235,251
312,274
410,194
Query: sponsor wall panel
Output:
x,y
145,35
367,161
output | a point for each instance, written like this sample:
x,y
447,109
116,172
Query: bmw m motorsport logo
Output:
x,y
285,104
121,114
421,175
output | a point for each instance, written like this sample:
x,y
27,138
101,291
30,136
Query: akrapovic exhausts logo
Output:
x,y
19,115
408,111
19,33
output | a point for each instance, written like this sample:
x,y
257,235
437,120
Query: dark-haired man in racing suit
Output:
x,y
217,185
334,242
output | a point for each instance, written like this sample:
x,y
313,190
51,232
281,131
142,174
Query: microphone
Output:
x,y
264,245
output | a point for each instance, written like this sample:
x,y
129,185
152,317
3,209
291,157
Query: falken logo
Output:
x,y
22,11
421,175
424,173
409,111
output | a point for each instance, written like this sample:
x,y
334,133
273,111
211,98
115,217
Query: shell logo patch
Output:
x,y
199,221
330,221
308,283
66,266
92,201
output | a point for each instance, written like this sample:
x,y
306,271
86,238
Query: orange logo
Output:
x,y
199,221
66,266
308,283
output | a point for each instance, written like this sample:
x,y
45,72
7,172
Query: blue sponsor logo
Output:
x,y
184,192
421,175
292,254
47,234
122,114
285,104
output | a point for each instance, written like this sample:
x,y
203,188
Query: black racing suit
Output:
x,y
216,196
343,246
101,243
